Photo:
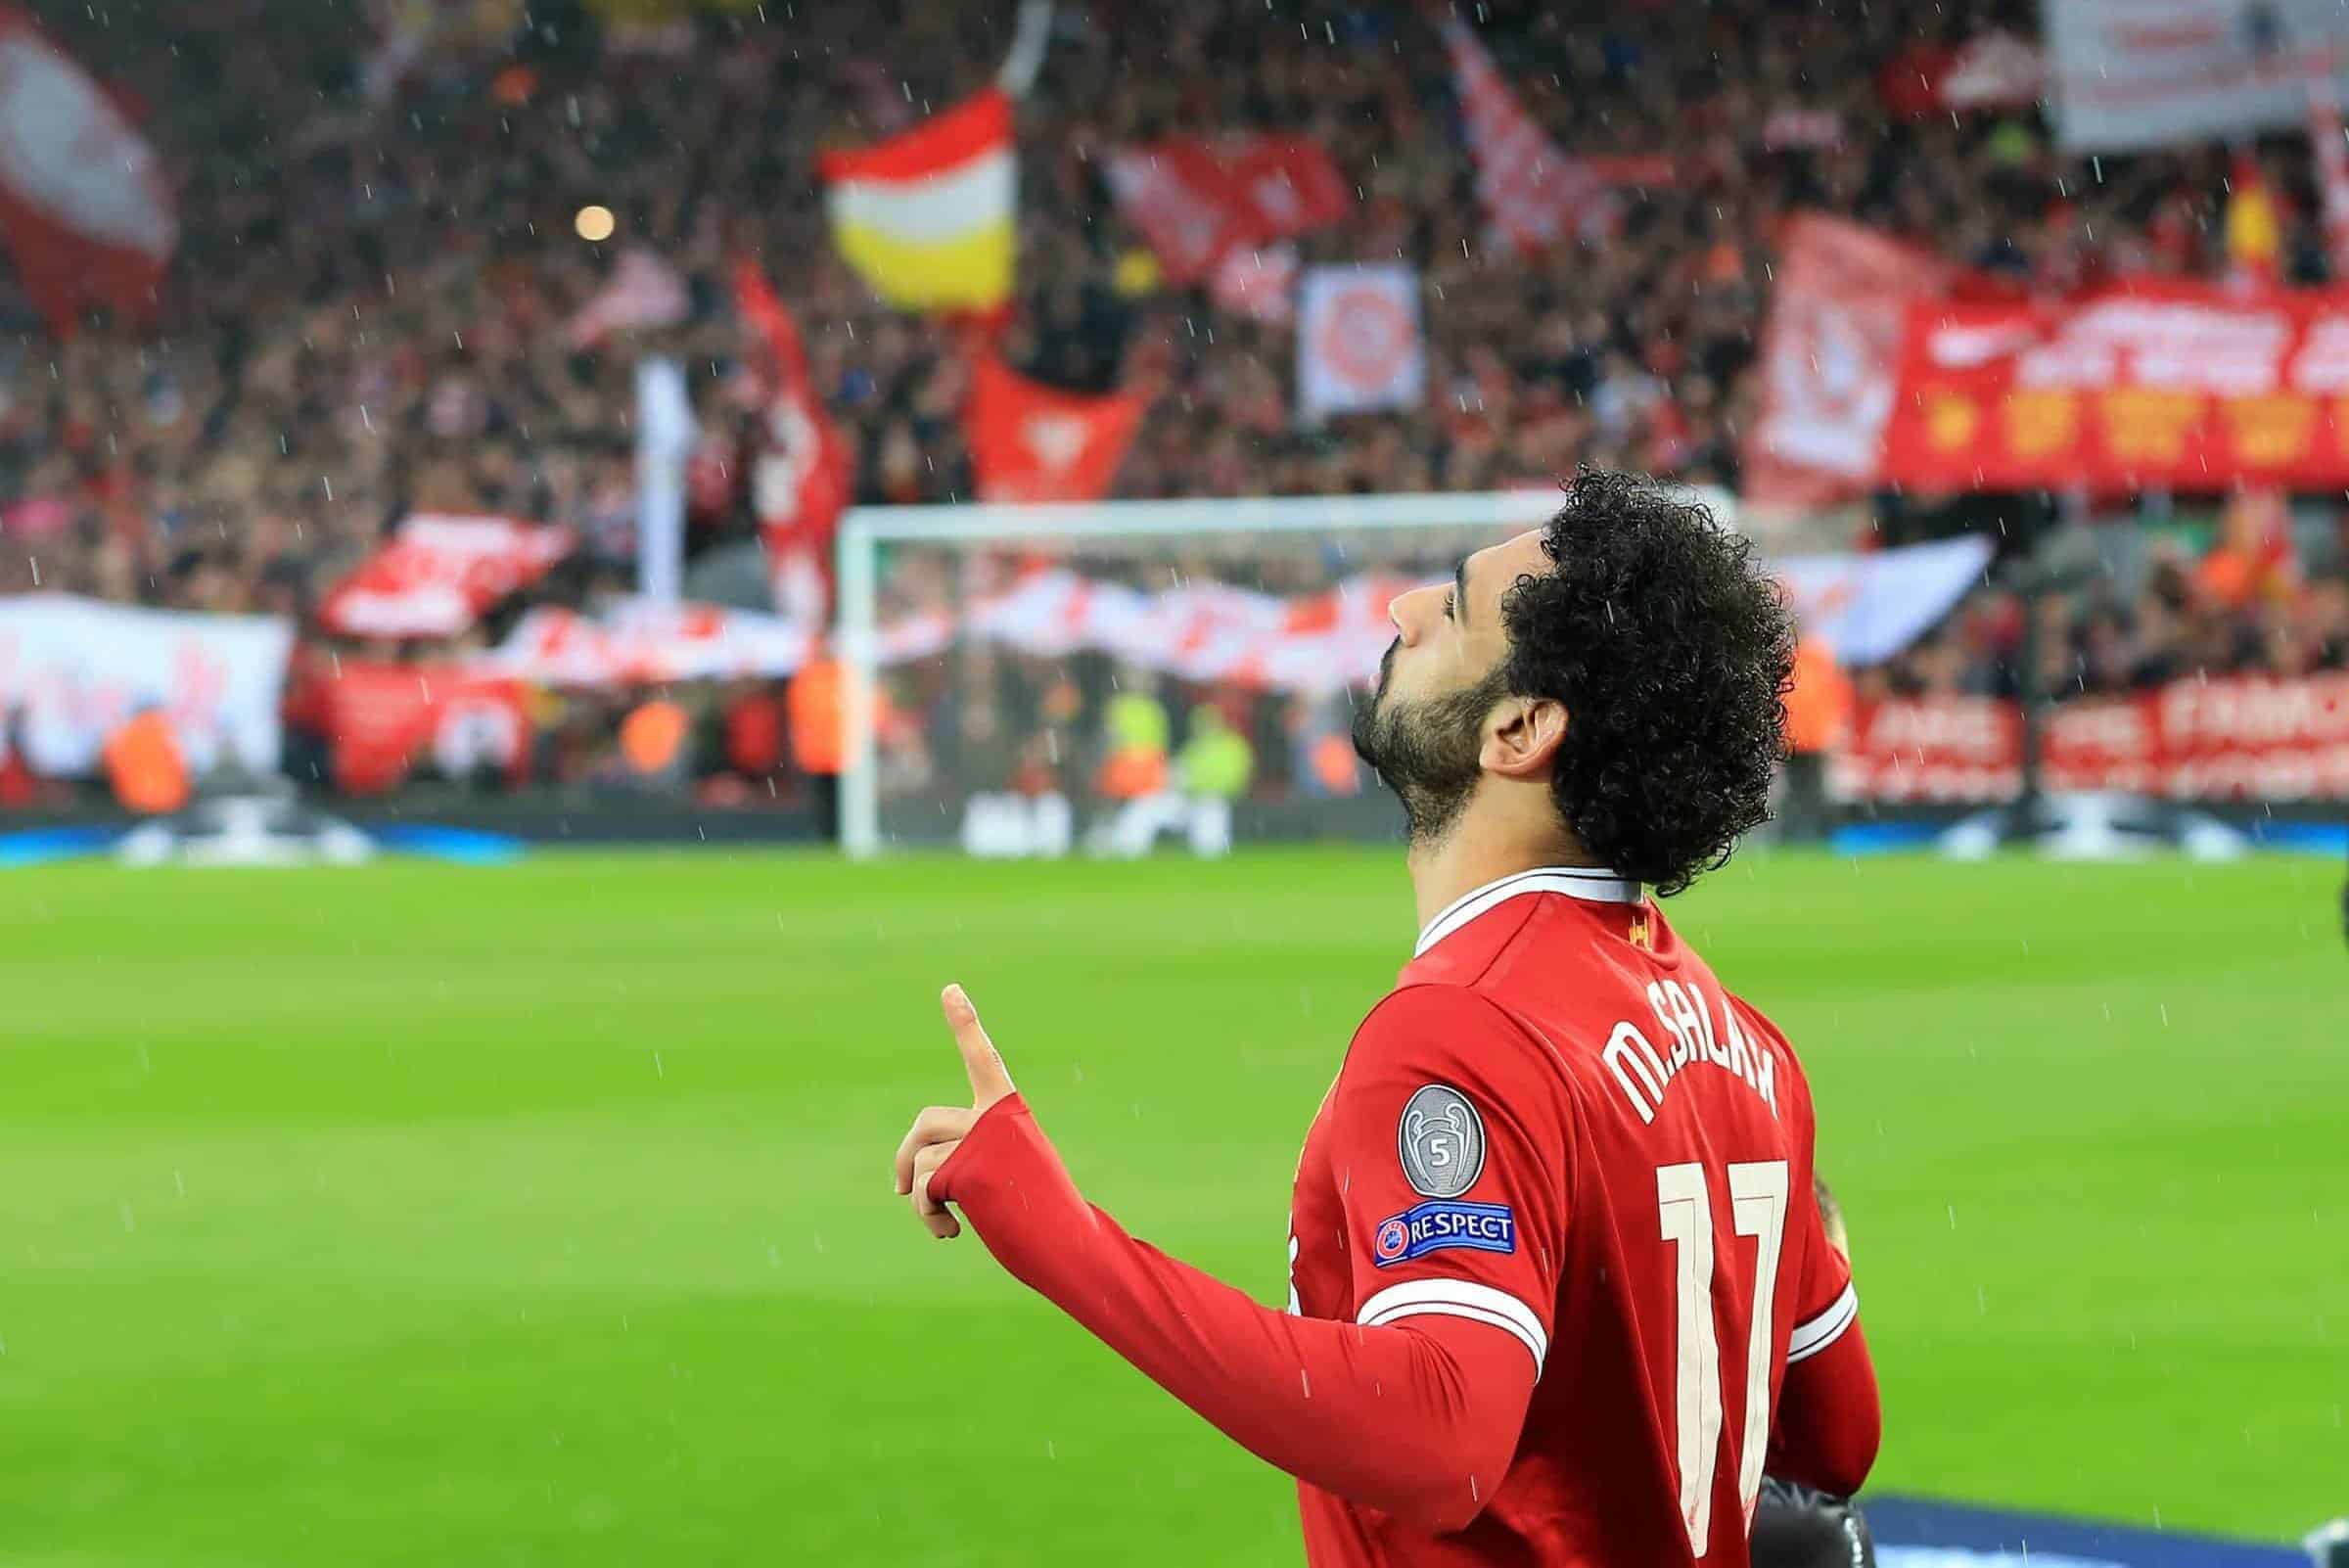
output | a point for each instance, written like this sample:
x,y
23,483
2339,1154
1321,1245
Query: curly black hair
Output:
x,y
1671,651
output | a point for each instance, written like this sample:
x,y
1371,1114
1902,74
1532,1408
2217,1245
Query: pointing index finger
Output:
x,y
989,1082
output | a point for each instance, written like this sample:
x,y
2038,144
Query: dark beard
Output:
x,y
1426,751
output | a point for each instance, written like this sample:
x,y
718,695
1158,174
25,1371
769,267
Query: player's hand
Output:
x,y
941,1129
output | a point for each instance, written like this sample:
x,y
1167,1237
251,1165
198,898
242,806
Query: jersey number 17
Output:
x,y
1757,1208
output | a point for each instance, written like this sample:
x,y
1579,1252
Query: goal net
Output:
x,y
1123,677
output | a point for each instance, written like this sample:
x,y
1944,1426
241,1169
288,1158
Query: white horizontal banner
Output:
x,y
644,640
1869,607
2137,73
73,670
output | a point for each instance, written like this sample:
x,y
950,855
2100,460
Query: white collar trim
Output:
x,y
1576,881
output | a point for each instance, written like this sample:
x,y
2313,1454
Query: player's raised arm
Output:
x,y
940,1129
1416,1418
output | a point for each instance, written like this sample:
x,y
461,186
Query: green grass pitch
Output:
x,y
542,1214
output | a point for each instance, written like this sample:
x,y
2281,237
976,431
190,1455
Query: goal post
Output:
x,y
1197,593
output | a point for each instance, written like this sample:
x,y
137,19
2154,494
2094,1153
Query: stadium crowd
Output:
x,y
367,314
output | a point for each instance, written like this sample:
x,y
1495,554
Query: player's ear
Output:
x,y
1523,735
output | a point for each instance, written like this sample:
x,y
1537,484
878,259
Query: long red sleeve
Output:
x,y
1829,1419
1416,1420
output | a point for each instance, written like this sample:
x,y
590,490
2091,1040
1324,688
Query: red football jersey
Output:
x,y
1561,1126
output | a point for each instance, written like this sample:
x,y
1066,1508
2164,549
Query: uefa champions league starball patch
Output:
x,y
1441,1141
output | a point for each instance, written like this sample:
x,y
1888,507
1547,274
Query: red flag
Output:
x,y
1534,195
799,479
1198,201
2326,138
1290,185
82,203
438,572
1033,442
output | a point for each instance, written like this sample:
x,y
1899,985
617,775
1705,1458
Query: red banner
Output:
x,y
2236,738
1932,749
385,719
440,573
2167,384
800,476
1034,442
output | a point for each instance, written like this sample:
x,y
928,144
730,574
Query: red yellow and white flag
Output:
x,y
926,216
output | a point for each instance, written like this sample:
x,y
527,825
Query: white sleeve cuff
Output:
x,y
1808,1339
1459,1297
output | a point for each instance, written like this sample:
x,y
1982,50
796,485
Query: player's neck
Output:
x,y
1478,850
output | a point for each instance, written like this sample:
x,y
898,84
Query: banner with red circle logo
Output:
x,y
1359,344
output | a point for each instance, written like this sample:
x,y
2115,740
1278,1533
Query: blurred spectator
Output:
x,y
143,766
814,703
1216,764
653,742
1818,714
754,726
18,788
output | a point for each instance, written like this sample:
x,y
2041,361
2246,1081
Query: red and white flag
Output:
x,y
1260,285
83,202
799,474
1199,202
1290,183
1033,442
1831,360
440,573
643,291
1174,195
2326,138
1534,195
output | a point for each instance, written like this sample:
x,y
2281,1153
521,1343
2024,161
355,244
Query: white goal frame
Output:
x,y
864,530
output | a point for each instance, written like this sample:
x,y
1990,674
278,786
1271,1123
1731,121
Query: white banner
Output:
x,y
1359,341
73,670
2134,74
1869,607
641,640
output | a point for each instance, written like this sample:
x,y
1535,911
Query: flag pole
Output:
x,y
1031,37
